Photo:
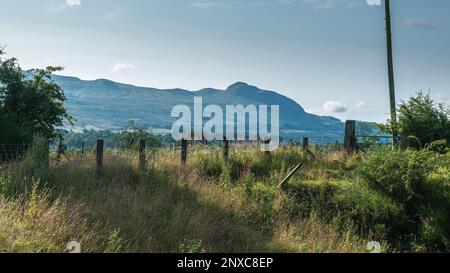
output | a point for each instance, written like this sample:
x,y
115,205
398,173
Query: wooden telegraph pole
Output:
x,y
391,74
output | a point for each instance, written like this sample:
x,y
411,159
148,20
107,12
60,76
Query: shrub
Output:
x,y
414,142
370,213
313,197
401,176
405,179
259,197
422,117
438,146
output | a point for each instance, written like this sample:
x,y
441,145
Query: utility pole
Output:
x,y
391,74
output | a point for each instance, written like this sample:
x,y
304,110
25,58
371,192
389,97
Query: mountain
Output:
x,y
104,104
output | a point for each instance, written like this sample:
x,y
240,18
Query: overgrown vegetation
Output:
x,y
121,140
424,119
30,103
335,204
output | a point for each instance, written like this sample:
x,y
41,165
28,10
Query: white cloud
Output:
x,y
57,6
122,66
73,2
314,3
419,23
362,105
374,2
334,107
341,3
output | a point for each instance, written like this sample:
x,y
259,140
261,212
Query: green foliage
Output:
x,y
12,131
112,140
261,196
398,175
414,143
130,139
114,243
438,146
192,246
209,165
421,117
89,138
399,198
39,153
29,104
405,179
313,197
225,176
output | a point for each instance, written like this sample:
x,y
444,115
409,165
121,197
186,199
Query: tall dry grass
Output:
x,y
164,209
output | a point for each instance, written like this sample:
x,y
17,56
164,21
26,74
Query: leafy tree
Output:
x,y
130,138
421,117
30,102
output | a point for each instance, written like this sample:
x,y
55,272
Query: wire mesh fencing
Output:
x,y
11,152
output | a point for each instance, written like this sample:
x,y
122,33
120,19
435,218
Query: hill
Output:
x,y
104,104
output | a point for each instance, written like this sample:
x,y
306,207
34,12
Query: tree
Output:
x,y
421,117
30,102
130,139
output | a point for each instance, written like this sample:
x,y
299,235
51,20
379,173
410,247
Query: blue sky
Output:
x,y
328,55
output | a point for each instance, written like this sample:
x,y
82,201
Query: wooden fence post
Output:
x,y
305,143
226,149
291,144
267,142
183,152
100,147
350,136
82,147
290,175
142,157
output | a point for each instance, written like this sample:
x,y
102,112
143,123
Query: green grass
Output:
x,y
210,206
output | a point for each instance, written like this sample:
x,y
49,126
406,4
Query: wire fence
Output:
x,y
10,152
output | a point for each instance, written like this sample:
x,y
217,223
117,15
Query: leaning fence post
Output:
x,y
266,144
142,158
350,136
305,143
100,146
226,149
183,152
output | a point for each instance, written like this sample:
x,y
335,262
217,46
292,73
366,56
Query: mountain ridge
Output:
x,y
108,105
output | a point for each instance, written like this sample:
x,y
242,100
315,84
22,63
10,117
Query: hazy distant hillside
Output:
x,y
106,104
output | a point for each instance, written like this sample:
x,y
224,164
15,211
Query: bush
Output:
x,y
347,204
414,143
313,197
401,176
370,213
439,146
420,116
405,179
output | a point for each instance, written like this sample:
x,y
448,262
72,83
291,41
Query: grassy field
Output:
x,y
337,203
